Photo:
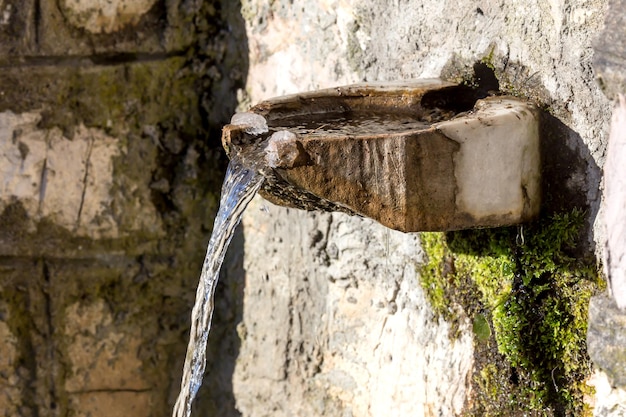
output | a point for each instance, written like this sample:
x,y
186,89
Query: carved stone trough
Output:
x,y
422,155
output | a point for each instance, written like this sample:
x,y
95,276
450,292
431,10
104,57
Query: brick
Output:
x,y
17,27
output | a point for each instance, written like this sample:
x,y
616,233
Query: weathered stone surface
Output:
x,y
607,339
609,401
10,395
17,27
609,58
84,27
59,179
346,337
58,30
112,404
109,176
104,17
102,358
105,367
607,319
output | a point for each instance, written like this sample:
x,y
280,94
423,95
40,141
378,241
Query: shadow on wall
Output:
x,y
216,397
570,176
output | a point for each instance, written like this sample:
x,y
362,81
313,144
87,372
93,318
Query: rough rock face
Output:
x,y
107,17
335,322
109,175
326,306
609,51
62,180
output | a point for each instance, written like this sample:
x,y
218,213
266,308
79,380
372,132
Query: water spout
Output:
x,y
418,155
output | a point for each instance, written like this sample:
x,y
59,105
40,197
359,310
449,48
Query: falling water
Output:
x,y
240,185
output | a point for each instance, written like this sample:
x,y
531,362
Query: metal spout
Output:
x,y
424,155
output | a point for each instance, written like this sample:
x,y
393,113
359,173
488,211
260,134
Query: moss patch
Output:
x,y
526,291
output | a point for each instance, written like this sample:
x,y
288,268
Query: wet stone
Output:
x,y
350,124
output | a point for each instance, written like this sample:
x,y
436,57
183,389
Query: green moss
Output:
x,y
145,93
531,289
432,274
489,58
116,98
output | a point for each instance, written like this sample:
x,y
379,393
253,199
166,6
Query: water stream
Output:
x,y
240,185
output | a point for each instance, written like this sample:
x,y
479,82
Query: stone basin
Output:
x,y
423,155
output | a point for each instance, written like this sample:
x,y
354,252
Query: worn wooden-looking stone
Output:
x,y
467,165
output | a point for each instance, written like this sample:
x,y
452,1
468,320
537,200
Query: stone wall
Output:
x,y
110,165
335,319
110,170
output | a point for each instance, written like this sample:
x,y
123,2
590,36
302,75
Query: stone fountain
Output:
x,y
422,155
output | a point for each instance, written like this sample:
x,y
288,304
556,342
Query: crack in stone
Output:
x,y
43,182
85,178
37,19
104,59
43,179
50,345
110,391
